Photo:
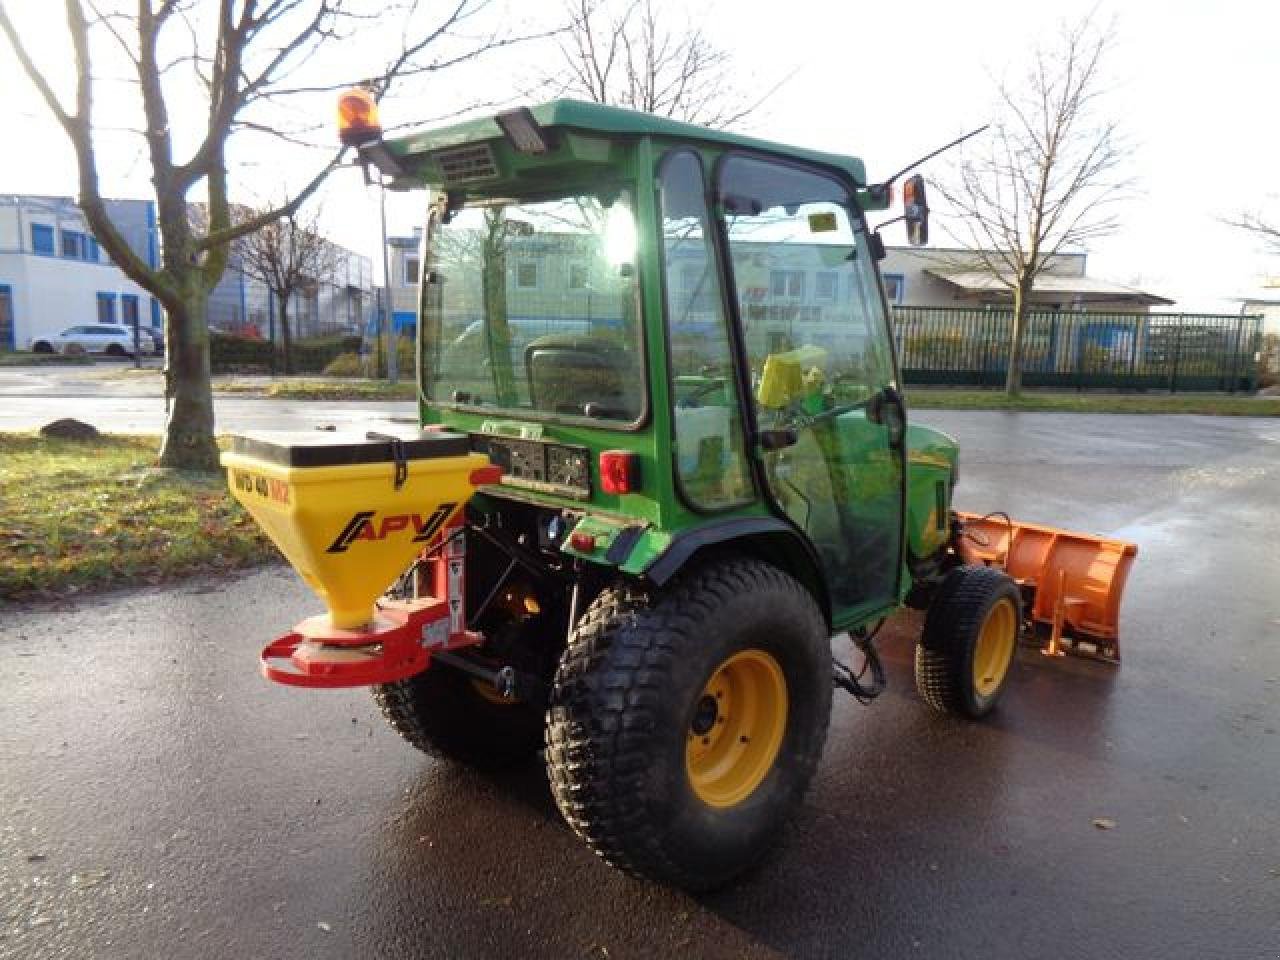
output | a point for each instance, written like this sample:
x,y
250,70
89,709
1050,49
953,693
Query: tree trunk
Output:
x,y
188,435
1013,379
497,332
282,311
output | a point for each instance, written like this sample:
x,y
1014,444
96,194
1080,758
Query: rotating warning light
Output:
x,y
358,118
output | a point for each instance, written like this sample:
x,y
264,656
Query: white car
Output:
x,y
113,339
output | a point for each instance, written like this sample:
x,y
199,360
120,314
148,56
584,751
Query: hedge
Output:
x,y
228,354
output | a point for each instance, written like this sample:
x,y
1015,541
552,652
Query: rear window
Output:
x,y
532,305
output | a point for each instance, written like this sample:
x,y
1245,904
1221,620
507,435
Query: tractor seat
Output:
x,y
569,373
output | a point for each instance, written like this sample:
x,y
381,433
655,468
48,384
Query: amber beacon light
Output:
x,y
357,117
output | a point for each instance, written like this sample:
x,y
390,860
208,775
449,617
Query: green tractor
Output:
x,y
662,355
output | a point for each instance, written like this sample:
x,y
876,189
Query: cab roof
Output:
x,y
613,122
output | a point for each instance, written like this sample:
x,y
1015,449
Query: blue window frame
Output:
x,y
7,332
895,285
91,254
129,309
73,244
42,239
106,308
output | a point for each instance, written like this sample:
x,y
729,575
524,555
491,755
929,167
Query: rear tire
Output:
x,y
447,713
42,346
966,651
686,722
115,350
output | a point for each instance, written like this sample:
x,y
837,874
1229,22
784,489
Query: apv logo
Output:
x,y
365,525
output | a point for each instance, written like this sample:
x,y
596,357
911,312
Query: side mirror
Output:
x,y
915,211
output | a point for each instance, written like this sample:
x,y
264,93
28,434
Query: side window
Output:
x,y
711,463
106,308
808,297
42,239
818,347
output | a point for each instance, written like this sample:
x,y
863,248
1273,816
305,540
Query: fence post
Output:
x,y
1133,350
1255,349
1177,354
1237,342
989,328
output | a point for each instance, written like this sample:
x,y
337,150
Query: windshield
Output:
x,y
532,306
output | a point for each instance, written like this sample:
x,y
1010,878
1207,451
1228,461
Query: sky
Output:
x,y
1191,84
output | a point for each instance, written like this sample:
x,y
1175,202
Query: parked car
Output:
x,y
113,339
157,337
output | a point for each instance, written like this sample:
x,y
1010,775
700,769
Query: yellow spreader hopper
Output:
x,y
350,512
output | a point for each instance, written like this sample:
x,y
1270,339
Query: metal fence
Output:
x,y
242,307
1155,351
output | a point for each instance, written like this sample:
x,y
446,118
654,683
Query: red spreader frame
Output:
x,y
396,644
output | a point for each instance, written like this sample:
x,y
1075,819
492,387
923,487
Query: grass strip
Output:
x,y
1204,404
321,389
23,359
76,514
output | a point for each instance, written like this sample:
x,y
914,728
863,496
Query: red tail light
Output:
x,y
619,471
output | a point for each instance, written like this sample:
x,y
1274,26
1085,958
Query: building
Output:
x,y
940,277
54,274
1264,302
913,277
404,256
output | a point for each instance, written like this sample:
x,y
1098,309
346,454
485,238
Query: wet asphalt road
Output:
x,y
116,399
158,799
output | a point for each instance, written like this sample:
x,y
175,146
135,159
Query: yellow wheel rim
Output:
x,y
994,651
737,728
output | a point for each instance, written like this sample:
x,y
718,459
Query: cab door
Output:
x,y
828,415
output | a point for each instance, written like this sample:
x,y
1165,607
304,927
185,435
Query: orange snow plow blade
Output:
x,y
1072,582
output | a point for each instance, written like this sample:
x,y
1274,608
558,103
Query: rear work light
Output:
x,y
619,471
523,131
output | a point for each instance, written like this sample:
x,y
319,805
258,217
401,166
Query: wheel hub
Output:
x,y
737,728
704,718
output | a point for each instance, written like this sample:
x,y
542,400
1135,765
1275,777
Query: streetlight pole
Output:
x,y
393,371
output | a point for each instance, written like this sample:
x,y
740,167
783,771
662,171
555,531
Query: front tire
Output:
x,y
686,722
966,650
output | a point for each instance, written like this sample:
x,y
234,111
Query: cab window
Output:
x,y
711,464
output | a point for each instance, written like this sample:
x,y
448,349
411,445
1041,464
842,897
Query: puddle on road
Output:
x,y
1217,478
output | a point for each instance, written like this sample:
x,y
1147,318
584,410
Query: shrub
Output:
x,y
231,354
406,357
345,365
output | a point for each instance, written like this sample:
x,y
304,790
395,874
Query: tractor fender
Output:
x,y
766,538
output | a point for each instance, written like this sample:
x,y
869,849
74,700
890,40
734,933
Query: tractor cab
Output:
x,y
697,311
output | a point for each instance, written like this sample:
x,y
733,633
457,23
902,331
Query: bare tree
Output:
x,y
620,54
1265,229
1046,178
247,61
289,256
